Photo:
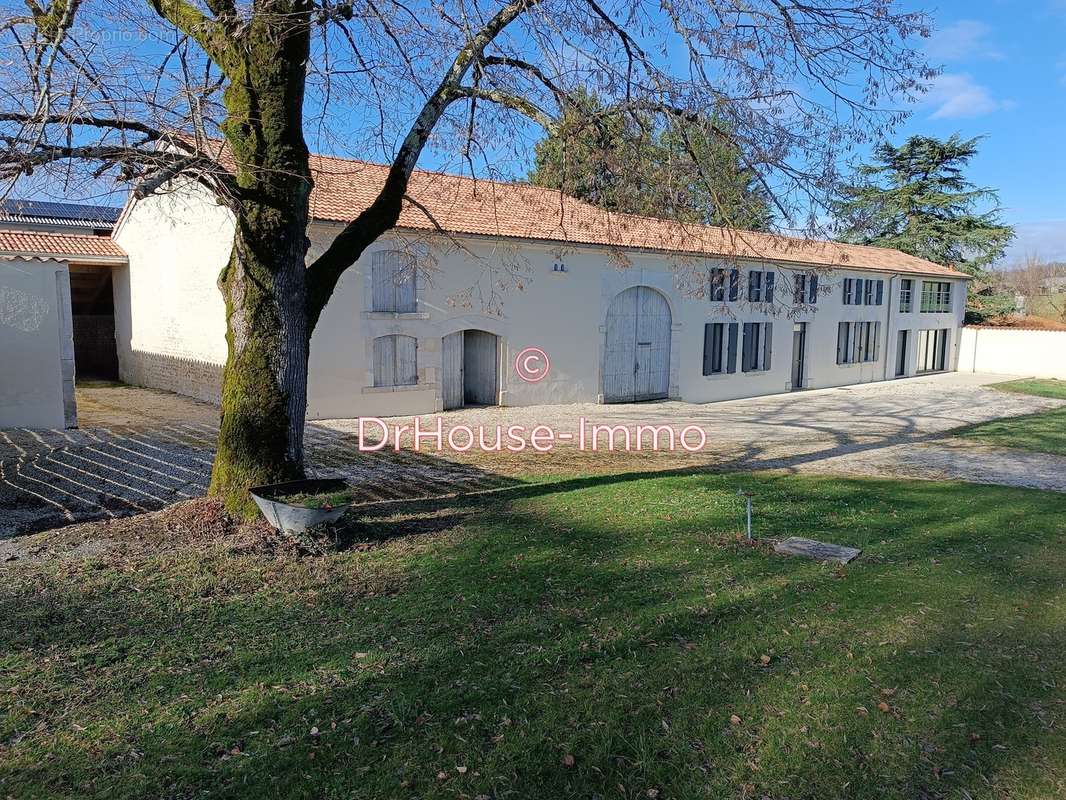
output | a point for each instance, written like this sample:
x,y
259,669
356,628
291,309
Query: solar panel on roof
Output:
x,y
57,213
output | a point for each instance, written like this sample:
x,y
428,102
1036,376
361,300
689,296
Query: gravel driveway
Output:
x,y
140,449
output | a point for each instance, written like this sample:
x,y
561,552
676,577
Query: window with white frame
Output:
x,y
863,292
716,291
858,342
936,297
804,289
724,285
719,348
760,286
758,346
394,279
932,350
395,360
906,296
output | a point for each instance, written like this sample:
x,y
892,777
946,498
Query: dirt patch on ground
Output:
x,y
202,523
105,404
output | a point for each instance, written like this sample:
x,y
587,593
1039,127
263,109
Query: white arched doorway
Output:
x,y
636,363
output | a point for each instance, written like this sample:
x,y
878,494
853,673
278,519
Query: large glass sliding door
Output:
x,y
932,350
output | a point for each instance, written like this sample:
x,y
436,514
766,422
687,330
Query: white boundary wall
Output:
x,y
1011,351
36,345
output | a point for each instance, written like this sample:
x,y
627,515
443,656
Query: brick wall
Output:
x,y
193,378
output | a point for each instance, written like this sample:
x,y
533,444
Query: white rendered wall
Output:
x,y
174,333
563,313
170,323
1039,354
36,345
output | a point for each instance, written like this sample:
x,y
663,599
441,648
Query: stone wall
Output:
x,y
193,378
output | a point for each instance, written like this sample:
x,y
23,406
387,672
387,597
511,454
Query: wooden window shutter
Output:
x,y
880,292
394,282
768,344
745,352
731,353
708,337
406,360
812,289
395,360
385,361
734,284
768,287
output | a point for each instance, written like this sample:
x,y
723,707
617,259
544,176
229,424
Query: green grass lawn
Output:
x,y
1035,386
601,637
1044,432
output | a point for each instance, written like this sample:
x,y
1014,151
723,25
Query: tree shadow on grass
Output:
x,y
541,633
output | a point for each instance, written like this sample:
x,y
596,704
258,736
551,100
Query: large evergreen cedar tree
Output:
x,y
916,198
623,162
134,92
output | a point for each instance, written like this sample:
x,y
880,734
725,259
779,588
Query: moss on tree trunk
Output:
x,y
264,383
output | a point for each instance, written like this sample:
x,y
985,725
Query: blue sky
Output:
x,y
1005,78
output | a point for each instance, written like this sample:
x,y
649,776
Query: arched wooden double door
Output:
x,y
636,362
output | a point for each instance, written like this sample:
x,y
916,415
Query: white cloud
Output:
x,y
958,95
1046,239
962,40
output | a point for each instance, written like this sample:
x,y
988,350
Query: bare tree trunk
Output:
x,y
264,384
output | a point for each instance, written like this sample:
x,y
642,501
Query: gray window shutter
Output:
x,y
393,280
812,289
385,361
707,338
406,361
406,301
384,295
877,340
745,352
395,360
734,284
847,291
856,341
731,353
767,344
859,291
880,292
842,342
754,285
768,287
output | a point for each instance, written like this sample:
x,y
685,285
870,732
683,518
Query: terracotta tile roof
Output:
x,y
467,206
58,245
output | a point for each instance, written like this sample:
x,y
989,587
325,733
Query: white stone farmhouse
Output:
x,y
627,308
